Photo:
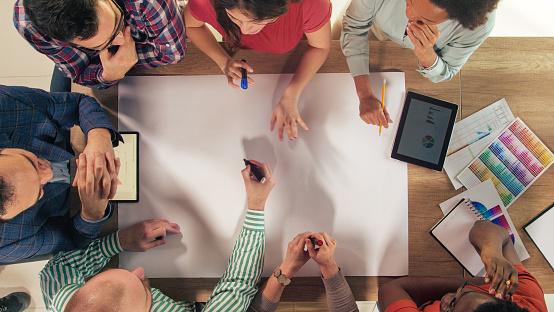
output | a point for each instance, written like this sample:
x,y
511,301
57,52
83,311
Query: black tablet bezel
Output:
x,y
453,107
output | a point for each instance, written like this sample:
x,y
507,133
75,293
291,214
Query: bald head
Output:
x,y
113,290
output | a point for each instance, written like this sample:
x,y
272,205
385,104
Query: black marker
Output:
x,y
159,238
244,80
254,169
316,242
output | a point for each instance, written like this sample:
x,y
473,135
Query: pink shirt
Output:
x,y
305,17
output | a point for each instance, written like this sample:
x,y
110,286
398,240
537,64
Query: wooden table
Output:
x,y
518,69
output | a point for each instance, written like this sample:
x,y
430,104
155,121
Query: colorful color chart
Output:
x,y
514,160
487,214
504,223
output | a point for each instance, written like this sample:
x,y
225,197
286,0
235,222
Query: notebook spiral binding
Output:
x,y
470,205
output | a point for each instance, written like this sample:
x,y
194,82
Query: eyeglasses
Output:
x,y
118,29
458,293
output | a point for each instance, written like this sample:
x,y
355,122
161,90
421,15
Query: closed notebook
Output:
x,y
452,232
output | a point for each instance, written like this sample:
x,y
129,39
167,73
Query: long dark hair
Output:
x,y
258,10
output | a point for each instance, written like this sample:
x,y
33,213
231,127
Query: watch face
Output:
x,y
281,279
277,272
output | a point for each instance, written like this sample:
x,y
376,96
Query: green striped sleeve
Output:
x,y
64,274
162,303
254,220
239,283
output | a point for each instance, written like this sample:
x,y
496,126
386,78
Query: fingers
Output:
x,y
99,168
387,116
113,172
382,119
81,171
231,83
89,176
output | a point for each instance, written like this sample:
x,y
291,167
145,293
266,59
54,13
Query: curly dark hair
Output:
x,y
64,20
499,305
6,194
258,10
470,13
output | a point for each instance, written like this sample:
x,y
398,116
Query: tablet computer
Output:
x,y
424,131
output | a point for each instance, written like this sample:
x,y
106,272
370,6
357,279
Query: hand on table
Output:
x,y
296,255
501,274
232,71
286,116
257,192
142,236
116,65
324,256
423,37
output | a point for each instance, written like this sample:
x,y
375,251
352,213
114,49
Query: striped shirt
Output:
x,y
67,272
156,28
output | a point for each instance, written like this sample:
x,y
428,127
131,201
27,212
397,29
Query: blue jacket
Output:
x,y
39,122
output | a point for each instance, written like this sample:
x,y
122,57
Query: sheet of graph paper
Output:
x,y
472,134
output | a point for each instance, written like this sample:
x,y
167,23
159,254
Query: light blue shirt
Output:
x,y
453,47
61,172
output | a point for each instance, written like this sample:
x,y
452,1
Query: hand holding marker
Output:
x,y
254,169
244,80
316,242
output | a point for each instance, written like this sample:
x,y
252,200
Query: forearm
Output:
x,y
487,237
363,86
310,63
204,40
86,228
339,295
249,248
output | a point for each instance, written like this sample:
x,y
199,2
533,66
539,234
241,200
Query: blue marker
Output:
x,y
244,80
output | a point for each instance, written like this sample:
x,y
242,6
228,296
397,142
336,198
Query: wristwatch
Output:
x,y
280,277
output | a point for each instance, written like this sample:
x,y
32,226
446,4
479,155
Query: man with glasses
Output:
x,y
507,285
95,42
35,150
72,281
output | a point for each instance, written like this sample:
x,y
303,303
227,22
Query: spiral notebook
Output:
x,y
452,232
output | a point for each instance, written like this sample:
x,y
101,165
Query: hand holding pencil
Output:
x,y
371,110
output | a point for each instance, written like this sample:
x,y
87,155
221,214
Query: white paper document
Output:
x,y
472,134
337,177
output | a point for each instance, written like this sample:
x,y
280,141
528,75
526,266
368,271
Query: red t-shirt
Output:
x,y
305,17
528,295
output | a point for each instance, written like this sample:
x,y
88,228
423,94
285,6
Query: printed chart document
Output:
x,y
514,160
195,132
486,201
472,134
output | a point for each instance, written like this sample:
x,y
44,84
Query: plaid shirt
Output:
x,y
39,122
156,27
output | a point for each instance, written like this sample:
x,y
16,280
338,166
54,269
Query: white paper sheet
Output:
x,y
337,177
472,134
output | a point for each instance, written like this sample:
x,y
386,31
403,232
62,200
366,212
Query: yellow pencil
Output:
x,y
382,104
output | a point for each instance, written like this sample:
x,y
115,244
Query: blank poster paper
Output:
x,y
337,177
